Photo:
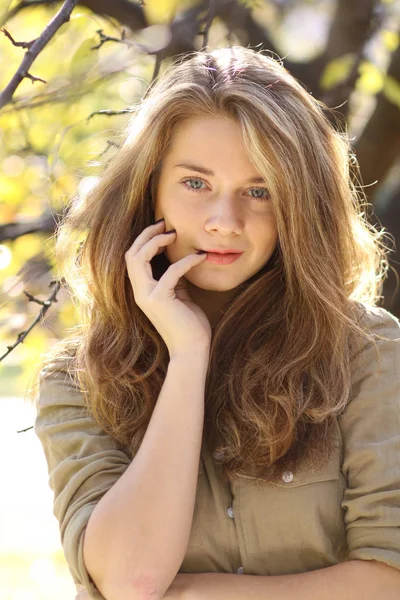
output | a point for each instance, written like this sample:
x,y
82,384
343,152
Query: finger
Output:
x,y
149,250
139,267
170,279
145,236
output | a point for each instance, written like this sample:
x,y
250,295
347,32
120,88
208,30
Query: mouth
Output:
x,y
222,258
222,252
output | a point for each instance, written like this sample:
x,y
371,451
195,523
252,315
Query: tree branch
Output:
x,y
349,31
12,231
124,11
45,307
379,144
36,47
14,43
366,25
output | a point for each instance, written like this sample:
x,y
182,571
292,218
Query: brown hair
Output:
x,y
281,355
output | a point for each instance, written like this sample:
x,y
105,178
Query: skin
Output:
x,y
222,210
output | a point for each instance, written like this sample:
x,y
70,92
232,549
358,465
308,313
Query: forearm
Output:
x,y
369,580
138,533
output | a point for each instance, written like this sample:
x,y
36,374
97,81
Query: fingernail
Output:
x,y
159,221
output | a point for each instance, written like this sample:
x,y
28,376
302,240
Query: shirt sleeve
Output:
x,y
370,428
83,463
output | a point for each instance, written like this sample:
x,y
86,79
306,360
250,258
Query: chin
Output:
x,y
213,283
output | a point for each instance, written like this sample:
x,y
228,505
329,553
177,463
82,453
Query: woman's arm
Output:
x,y
137,535
351,580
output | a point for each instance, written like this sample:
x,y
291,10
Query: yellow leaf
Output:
x,y
67,315
390,39
84,58
31,208
7,213
11,190
391,90
160,11
336,71
371,78
26,246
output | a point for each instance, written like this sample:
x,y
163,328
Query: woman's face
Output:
x,y
214,198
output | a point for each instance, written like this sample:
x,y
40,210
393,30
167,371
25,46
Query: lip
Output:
x,y
217,258
224,251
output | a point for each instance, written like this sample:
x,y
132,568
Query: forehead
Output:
x,y
209,141
207,128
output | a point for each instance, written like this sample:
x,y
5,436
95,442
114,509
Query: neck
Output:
x,y
212,303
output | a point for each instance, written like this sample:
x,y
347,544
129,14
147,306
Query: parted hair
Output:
x,y
284,351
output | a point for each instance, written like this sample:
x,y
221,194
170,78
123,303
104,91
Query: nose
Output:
x,y
224,215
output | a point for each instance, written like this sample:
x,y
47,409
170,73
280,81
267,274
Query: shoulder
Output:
x,y
381,340
59,363
379,320
375,366
58,383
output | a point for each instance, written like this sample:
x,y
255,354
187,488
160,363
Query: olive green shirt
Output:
x,y
310,520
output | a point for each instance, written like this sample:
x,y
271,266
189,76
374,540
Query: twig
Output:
x,y
33,78
339,95
14,43
45,307
34,50
110,113
14,230
210,18
107,38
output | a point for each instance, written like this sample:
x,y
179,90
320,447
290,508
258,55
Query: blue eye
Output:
x,y
262,198
191,179
264,191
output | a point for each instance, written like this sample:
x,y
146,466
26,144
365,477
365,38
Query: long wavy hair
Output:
x,y
282,353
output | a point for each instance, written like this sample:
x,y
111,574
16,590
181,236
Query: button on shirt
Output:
x,y
230,512
308,520
287,476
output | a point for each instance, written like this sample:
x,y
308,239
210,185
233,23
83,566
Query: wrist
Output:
x,y
199,355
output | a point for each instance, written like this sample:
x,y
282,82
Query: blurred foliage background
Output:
x,y
66,114
97,65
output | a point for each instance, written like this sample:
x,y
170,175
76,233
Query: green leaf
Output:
x,y
391,90
371,78
84,58
391,39
336,71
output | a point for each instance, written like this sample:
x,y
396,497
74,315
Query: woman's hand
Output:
x,y
180,321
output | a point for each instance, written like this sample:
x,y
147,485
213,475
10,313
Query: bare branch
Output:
x,y
341,92
110,113
209,20
18,44
348,34
379,144
106,38
66,92
33,78
13,231
124,11
32,53
45,307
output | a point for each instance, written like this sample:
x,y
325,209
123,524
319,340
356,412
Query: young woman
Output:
x,y
229,404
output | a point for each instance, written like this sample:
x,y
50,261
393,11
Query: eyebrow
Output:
x,y
211,173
